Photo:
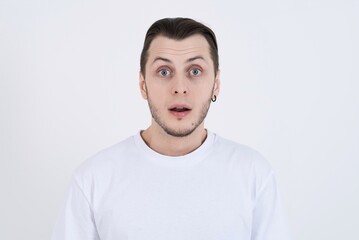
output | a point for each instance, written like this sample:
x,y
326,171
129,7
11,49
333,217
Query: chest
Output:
x,y
175,205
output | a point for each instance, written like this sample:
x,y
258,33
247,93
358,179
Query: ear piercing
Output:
x,y
214,98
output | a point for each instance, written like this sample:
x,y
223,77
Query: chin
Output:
x,y
179,132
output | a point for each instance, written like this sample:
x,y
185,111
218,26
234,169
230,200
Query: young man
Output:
x,y
175,180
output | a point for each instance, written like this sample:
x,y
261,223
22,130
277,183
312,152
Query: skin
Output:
x,y
178,74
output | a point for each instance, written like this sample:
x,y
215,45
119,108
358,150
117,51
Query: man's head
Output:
x,y
179,75
179,29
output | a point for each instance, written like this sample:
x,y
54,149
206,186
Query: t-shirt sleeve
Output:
x,y
269,218
76,220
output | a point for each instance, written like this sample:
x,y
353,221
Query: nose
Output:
x,y
179,86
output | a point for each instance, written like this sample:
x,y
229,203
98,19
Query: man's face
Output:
x,y
179,83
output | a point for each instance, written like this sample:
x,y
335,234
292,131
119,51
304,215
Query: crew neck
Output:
x,y
187,160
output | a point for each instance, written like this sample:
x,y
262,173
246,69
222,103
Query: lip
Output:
x,y
179,105
180,114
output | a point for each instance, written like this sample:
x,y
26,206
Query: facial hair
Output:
x,y
179,132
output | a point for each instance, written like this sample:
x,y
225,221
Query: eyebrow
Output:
x,y
195,58
169,61
162,59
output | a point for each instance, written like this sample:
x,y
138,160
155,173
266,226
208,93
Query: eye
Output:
x,y
195,72
164,72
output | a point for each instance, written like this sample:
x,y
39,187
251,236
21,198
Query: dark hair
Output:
x,y
178,29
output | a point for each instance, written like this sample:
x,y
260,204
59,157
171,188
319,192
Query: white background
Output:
x,y
69,87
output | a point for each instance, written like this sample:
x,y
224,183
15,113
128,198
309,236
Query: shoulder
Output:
x,y
231,147
103,162
245,163
243,156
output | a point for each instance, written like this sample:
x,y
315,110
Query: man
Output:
x,y
175,180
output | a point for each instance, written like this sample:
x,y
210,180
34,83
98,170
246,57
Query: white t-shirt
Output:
x,y
220,191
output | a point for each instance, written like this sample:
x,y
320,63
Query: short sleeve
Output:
x,y
75,220
269,218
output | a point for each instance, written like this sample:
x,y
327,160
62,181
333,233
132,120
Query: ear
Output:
x,y
217,84
142,85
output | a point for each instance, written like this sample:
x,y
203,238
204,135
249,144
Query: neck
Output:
x,y
166,144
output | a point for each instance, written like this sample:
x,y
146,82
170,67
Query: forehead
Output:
x,y
192,45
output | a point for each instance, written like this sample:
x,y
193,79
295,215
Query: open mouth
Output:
x,y
179,109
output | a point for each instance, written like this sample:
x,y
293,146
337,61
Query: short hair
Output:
x,y
178,29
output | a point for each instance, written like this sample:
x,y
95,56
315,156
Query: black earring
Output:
x,y
214,98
